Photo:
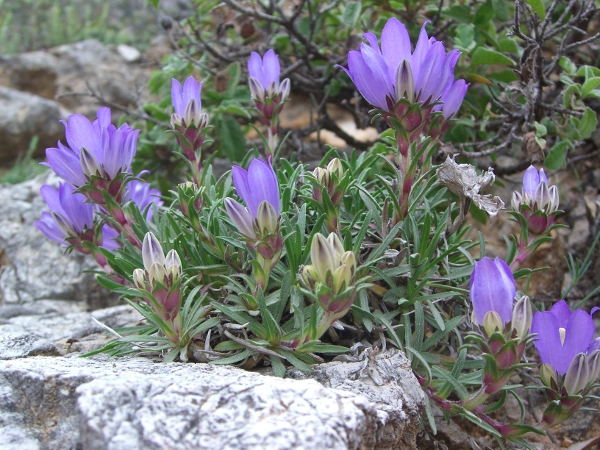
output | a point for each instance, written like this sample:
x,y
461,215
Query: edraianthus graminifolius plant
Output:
x,y
274,289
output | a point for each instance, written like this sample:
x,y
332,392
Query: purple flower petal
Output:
x,y
531,180
66,165
361,75
562,312
271,68
372,40
191,91
48,227
176,97
395,45
81,133
492,288
379,69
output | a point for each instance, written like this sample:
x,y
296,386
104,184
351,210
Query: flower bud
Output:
x,y
594,365
336,245
173,265
309,275
405,82
342,277
139,278
522,317
152,252
266,217
516,201
284,90
548,375
323,256
157,274
89,164
577,375
335,167
492,323
349,259
240,217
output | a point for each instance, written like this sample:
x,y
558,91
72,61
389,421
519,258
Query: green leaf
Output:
x,y
231,138
509,45
278,367
589,86
234,71
587,123
538,7
567,65
465,33
501,10
352,13
557,156
487,56
155,3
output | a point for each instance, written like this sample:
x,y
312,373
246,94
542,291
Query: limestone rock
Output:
x,y
32,267
34,72
105,403
24,115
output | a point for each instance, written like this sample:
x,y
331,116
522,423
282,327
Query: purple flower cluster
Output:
x,y
96,149
538,201
386,75
264,80
71,220
259,189
562,335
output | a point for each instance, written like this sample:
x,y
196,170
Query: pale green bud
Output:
x,y
522,317
594,363
266,217
152,251
139,278
337,246
547,375
335,166
492,323
342,277
173,264
157,274
577,375
309,275
323,256
349,259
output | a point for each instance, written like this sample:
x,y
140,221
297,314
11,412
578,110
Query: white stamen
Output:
x,y
563,333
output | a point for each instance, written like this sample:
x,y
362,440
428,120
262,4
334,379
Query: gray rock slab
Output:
x,y
24,115
106,403
32,267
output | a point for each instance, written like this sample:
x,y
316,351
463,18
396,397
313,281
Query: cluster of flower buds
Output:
x,y
570,358
160,280
505,325
331,277
267,93
189,198
258,223
538,202
329,187
188,122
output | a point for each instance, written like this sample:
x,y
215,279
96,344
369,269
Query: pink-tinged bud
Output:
x,y
172,303
240,217
176,121
516,201
554,199
152,252
492,323
405,82
548,375
522,317
577,375
257,92
594,363
323,256
89,164
139,278
284,90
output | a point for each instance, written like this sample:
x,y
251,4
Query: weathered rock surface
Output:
x,y
24,115
105,403
31,266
